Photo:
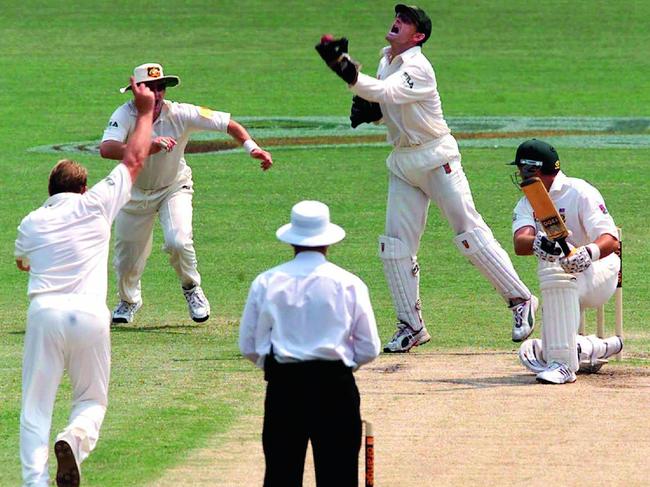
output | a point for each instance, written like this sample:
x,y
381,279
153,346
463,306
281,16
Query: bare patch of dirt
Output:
x,y
471,419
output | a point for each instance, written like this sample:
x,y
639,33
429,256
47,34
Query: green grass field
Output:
x,y
174,383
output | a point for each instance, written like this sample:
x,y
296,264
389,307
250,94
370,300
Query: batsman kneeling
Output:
x,y
564,222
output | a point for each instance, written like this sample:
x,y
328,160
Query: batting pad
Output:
x,y
480,247
403,275
560,315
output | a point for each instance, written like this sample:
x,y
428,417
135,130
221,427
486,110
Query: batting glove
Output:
x,y
546,249
578,261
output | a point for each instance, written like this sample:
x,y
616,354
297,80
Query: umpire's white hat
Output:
x,y
310,226
151,72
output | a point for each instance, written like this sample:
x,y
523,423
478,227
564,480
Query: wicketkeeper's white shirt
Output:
x,y
309,309
407,92
579,203
66,240
176,120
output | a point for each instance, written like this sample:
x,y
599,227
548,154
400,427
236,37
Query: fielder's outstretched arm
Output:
x,y
240,134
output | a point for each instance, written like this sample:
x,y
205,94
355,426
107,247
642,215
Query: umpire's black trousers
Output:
x,y
317,401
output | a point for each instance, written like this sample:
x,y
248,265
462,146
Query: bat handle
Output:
x,y
564,246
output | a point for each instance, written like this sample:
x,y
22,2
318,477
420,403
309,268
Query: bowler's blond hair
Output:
x,y
67,176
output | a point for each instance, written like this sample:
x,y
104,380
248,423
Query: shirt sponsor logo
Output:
x,y
408,82
603,209
113,123
562,212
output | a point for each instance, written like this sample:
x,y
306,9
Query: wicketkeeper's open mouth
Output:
x,y
394,30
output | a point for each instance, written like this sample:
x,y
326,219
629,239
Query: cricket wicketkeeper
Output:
x,y
424,167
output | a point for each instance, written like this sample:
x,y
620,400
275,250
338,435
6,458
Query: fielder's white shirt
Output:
x,y
407,92
309,309
176,120
579,203
66,240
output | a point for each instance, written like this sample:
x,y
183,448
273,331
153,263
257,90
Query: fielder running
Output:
x,y
585,279
64,247
165,188
424,166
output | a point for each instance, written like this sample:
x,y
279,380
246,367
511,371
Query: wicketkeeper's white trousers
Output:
x,y
433,172
64,332
134,235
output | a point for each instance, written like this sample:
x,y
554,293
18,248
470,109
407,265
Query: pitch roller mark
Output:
x,y
485,132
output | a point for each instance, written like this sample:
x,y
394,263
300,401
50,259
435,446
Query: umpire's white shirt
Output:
x,y
176,120
309,309
407,92
579,203
66,240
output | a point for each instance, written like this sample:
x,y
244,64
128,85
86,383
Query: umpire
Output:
x,y
309,323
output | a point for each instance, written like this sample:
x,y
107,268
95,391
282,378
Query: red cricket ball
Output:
x,y
326,38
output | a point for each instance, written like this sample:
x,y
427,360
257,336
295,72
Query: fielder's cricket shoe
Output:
x,y
405,338
556,373
197,304
530,355
124,312
523,319
67,470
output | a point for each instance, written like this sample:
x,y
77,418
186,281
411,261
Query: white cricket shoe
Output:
x,y
67,470
556,373
523,319
197,304
405,338
124,312
531,357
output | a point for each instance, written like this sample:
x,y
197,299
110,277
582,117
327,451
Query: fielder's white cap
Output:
x,y
310,226
151,72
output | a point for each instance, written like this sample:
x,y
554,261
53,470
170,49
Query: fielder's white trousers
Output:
x,y
432,172
71,332
134,235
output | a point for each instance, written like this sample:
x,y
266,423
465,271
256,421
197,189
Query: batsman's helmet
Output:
x,y
536,154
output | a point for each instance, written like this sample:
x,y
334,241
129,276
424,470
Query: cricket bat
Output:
x,y
546,212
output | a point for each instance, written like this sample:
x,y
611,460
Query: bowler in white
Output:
x,y
64,246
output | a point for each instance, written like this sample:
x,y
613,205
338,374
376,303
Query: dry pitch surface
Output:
x,y
471,419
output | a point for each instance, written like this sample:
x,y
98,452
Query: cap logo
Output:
x,y
557,164
153,72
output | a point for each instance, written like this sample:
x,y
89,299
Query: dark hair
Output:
x,y
67,176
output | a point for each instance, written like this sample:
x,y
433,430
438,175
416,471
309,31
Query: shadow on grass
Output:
x,y
151,329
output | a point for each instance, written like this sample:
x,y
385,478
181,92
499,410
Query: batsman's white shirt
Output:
x,y
177,120
581,206
309,309
66,241
586,216
407,92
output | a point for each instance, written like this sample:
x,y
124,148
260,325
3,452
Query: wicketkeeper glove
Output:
x,y
363,111
578,261
545,248
335,54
